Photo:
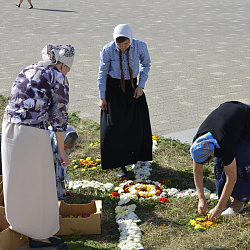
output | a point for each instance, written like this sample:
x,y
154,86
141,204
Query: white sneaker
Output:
x,y
230,212
223,209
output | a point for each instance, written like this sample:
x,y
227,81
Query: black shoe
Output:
x,y
122,172
31,6
53,242
18,5
62,246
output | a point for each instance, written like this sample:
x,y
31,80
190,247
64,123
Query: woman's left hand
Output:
x,y
214,214
138,92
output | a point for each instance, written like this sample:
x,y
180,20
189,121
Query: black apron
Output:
x,y
125,131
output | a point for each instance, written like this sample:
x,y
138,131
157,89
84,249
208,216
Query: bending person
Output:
x,y
39,97
62,178
218,137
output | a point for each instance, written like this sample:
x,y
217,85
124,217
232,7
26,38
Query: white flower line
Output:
x,y
130,233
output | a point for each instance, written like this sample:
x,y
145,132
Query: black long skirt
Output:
x,y
125,131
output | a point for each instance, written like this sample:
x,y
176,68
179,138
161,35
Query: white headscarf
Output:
x,y
53,53
123,30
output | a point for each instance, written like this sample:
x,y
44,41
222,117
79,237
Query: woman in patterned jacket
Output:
x,y
39,98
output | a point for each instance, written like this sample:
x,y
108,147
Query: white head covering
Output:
x,y
123,30
53,53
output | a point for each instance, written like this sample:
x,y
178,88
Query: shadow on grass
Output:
x,y
182,178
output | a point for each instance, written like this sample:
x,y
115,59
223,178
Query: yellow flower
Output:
x,y
98,160
75,166
201,219
83,169
155,138
88,159
94,168
163,225
73,161
91,144
192,222
198,226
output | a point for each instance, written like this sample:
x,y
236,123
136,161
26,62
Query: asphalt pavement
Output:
x,y
200,52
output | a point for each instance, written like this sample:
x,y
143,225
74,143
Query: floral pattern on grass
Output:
x,y
87,164
202,223
133,190
140,188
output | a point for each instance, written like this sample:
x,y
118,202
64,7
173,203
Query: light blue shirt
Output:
x,y
139,61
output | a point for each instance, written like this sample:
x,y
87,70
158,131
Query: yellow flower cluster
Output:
x,y
202,223
87,163
94,143
155,138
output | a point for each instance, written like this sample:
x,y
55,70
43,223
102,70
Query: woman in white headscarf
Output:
x,y
125,125
39,98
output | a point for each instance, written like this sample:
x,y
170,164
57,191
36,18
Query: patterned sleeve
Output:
x,y
60,102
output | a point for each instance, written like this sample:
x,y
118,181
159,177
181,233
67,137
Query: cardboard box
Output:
x,y
3,222
1,183
10,240
89,225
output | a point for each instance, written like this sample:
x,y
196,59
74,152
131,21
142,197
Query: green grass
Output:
x,y
171,161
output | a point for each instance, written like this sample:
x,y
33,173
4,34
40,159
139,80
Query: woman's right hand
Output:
x,y
202,207
103,104
64,158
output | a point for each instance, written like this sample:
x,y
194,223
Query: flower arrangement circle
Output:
x,y
202,223
142,189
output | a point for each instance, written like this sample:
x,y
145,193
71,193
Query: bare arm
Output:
x,y
60,143
198,180
231,177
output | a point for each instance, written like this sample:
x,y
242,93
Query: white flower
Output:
x,y
214,196
171,191
154,145
93,184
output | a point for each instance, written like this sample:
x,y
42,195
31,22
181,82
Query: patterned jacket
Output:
x,y
39,98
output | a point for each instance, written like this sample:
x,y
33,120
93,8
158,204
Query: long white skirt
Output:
x,y
29,181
